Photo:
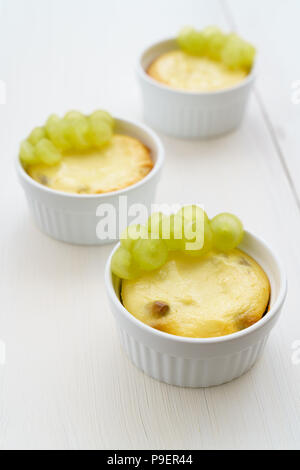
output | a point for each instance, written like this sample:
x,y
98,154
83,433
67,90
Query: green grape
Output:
x,y
154,225
36,135
123,264
194,220
131,234
238,53
101,131
214,42
104,116
55,130
150,254
192,212
27,153
227,231
167,228
73,115
76,130
172,232
205,244
176,241
47,153
191,41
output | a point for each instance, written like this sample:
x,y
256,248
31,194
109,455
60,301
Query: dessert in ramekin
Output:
x,y
66,190
195,90
234,316
216,295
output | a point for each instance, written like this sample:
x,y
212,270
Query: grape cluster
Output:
x,y
146,247
74,131
211,42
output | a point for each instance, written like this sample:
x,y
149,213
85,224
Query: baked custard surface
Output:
x,y
215,295
121,163
180,70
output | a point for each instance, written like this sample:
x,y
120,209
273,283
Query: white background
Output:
x,y
66,383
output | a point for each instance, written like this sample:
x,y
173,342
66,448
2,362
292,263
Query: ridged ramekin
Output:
x,y
73,218
203,362
187,114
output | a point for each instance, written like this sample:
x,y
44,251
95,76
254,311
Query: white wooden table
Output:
x,y
66,383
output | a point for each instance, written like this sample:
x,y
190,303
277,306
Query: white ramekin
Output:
x,y
73,218
186,114
192,362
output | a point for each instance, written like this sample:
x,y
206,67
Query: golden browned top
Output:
x,y
215,295
121,163
178,69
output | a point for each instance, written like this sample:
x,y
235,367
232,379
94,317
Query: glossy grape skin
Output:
x,y
100,132
103,116
150,254
192,212
101,128
167,228
36,135
207,243
76,130
55,130
195,221
73,115
123,264
47,153
191,41
238,53
154,225
227,231
131,234
211,42
79,132
214,42
172,232
27,154
224,232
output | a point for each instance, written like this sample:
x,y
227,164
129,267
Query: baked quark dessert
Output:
x,y
212,291
205,61
215,295
180,70
122,162
83,155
